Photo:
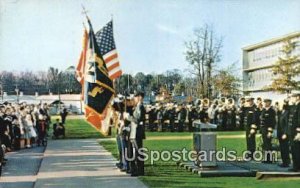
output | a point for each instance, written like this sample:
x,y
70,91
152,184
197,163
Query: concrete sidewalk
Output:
x,y
81,163
21,168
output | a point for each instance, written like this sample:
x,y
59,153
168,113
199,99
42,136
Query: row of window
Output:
x,y
269,54
259,77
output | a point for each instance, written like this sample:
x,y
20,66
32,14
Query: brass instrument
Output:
x,y
205,102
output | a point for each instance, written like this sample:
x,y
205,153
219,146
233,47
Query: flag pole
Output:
x,y
83,25
84,11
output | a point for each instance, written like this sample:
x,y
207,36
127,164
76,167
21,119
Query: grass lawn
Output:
x,y
167,174
78,129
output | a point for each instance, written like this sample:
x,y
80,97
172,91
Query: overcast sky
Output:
x,y
150,35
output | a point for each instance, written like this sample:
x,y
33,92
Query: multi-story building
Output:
x,y
258,59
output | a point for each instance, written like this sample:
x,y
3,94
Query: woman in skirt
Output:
x,y
31,134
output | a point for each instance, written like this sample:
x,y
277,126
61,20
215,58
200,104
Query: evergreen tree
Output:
x,y
285,70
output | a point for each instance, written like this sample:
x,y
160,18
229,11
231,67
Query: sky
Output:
x,y
149,34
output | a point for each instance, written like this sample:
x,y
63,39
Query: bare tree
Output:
x,y
202,52
214,56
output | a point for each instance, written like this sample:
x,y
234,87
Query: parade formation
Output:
x,y
255,116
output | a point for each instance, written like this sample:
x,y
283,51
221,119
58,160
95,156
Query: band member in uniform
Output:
x,y
181,116
222,111
250,120
212,112
259,107
282,134
171,116
231,115
203,114
294,129
240,111
192,115
152,117
165,117
159,117
267,125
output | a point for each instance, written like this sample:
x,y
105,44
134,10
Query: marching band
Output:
x,y
280,122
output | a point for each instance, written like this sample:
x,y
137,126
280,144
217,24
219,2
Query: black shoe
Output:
x,y
119,165
134,175
123,170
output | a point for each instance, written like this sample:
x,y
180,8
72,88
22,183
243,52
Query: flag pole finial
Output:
x,y
84,11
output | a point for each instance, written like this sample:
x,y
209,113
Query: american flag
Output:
x,y
107,46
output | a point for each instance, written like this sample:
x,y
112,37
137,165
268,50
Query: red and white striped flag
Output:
x,y
107,46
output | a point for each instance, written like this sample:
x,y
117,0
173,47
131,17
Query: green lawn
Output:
x,y
167,174
79,129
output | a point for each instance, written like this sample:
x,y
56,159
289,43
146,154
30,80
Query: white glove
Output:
x,y
269,135
252,131
284,136
297,137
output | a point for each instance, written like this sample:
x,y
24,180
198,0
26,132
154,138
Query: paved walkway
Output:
x,y
65,163
83,164
21,169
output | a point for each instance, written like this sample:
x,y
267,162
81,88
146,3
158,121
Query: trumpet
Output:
x,y
205,102
230,103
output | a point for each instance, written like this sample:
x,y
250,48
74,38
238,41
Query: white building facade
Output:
x,y
258,60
